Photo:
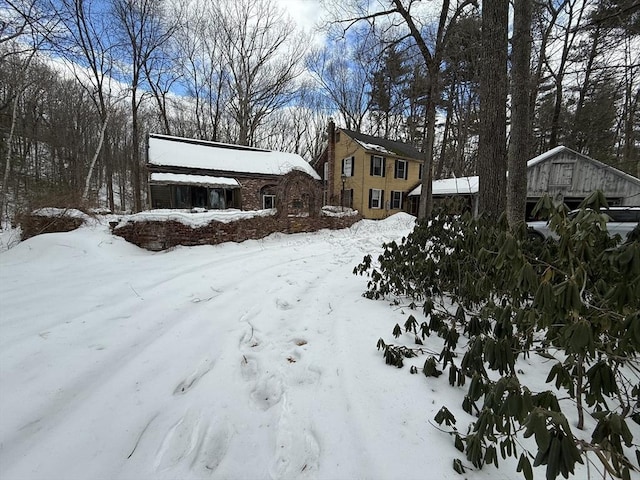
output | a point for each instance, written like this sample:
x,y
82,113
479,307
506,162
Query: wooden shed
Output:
x,y
564,174
569,176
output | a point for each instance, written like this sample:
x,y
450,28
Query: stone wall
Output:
x,y
34,224
251,187
160,235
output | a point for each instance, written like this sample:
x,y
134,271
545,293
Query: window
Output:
x,y
182,196
217,199
376,198
401,169
160,196
561,174
198,197
268,201
378,165
347,166
396,200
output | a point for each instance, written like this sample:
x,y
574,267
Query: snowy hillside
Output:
x,y
253,360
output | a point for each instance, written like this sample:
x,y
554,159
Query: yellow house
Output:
x,y
369,174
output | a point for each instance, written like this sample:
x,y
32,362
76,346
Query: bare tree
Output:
x,y
88,50
199,44
264,60
571,12
431,38
144,27
22,36
344,69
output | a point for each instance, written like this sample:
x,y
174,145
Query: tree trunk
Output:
x,y
445,136
85,193
519,144
7,166
135,155
492,142
426,199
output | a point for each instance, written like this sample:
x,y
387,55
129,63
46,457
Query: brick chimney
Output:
x,y
331,160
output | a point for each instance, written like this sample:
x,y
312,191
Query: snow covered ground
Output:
x,y
240,361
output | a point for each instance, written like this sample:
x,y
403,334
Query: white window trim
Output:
x,y
273,201
378,200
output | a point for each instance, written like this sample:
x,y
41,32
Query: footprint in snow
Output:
x,y
248,367
249,338
283,304
179,442
212,448
267,392
189,382
297,452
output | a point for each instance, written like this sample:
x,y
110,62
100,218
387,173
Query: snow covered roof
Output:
x,y
165,150
547,154
451,186
203,180
383,145
561,148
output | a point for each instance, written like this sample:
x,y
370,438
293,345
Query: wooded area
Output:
x,y
82,82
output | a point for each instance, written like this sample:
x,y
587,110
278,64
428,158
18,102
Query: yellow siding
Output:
x,y
362,181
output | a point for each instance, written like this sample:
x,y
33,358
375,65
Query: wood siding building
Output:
x,y
563,174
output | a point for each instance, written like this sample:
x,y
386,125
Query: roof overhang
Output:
x,y
158,178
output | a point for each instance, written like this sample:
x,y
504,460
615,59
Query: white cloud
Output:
x,y
305,13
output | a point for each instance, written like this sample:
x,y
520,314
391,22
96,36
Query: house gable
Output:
x,y
369,174
566,174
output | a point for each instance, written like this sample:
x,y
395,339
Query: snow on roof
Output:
x,y
547,154
451,186
373,147
165,150
181,178
560,148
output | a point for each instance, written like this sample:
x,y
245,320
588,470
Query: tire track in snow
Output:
x,y
191,436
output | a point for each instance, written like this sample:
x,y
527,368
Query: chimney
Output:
x,y
331,161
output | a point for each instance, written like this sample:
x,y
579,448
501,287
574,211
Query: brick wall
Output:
x,y
251,199
32,225
160,235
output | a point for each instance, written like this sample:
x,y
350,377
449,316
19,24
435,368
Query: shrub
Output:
x,y
574,301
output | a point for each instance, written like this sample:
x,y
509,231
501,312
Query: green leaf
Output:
x,y
524,466
397,331
444,415
411,324
458,443
458,467
430,368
